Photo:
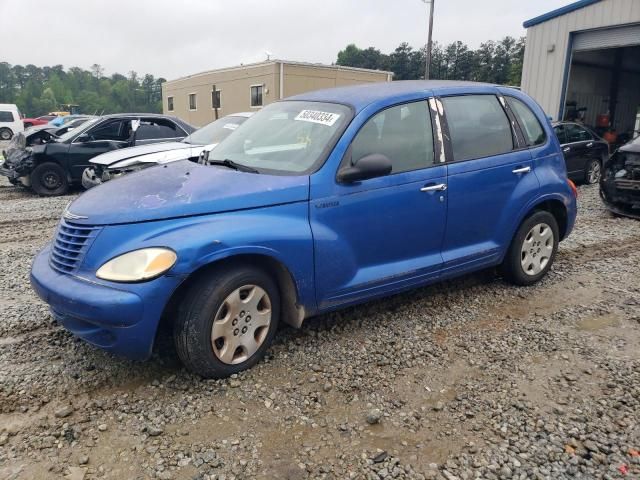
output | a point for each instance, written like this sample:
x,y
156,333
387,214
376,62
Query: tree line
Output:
x,y
494,62
39,90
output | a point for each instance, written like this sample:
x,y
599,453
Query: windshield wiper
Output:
x,y
233,165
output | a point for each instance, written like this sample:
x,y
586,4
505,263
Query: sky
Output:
x,y
176,38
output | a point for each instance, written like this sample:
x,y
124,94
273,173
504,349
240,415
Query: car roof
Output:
x,y
186,126
359,96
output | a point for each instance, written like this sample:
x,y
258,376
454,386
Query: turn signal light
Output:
x,y
574,189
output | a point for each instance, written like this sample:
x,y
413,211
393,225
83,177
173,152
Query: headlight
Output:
x,y
138,265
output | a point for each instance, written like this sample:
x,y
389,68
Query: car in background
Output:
x,y
51,168
10,121
620,184
584,151
60,121
34,122
117,163
318,202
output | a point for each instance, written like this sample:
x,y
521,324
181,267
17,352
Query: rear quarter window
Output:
x,y
529,124
478,126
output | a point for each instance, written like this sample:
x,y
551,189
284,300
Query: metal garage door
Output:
x,y
607,38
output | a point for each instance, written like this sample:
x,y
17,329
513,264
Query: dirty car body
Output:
x,y
620,184
64,158
321,201
114,164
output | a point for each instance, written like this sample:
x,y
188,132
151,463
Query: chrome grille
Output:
x,y
70,245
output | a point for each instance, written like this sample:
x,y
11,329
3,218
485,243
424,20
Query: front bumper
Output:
x,y
90,178
621,201
9,173
121,319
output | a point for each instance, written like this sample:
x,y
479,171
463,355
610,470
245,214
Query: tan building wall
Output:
x,y
235,84
543,70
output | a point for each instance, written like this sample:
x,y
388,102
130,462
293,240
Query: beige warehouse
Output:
x,y
247,88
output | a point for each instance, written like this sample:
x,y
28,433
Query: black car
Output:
x,y
584,151
620,184
50,168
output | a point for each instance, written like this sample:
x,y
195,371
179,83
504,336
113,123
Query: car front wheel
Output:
x,y
532,250
226,321
49,179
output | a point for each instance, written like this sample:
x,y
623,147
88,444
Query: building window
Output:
x,y
256,95
193,104
170,104
215,99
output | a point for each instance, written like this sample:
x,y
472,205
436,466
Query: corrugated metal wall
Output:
x,y
543,71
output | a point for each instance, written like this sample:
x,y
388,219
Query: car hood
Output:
x,y
165,156
183,189
124,153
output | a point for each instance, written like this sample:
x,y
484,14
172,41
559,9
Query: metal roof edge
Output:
x,y
558,12
274,62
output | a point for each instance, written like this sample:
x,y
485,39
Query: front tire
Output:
x,y
49,179
532,250
226,321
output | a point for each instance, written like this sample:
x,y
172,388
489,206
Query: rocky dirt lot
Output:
x,y
470,379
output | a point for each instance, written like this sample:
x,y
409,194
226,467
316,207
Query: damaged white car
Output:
x,y
120,162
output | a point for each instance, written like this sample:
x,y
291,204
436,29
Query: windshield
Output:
x,y
216,131
289,137
77,131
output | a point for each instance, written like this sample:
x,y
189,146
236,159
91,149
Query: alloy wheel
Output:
x,y
241,324
537,249
594,172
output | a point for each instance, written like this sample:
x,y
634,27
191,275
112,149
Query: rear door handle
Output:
x,y
440,187
566,149
522,170
590,144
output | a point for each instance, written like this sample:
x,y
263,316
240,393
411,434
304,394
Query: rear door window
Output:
x,y
478,126
575,133
529,124
402,133
6,116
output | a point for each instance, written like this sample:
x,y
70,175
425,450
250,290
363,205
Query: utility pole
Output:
x,y
428,56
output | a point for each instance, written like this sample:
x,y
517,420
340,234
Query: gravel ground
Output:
x,y
469,379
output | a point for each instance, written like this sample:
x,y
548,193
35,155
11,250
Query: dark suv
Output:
x,y
50,169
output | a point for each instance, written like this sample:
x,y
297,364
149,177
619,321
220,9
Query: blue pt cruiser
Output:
x,y
324,200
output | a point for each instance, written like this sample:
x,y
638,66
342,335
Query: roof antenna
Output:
x,y
268,54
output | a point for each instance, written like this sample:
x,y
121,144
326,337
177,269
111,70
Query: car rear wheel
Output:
x,y
49,179
5,134
226,321
532,250
593,171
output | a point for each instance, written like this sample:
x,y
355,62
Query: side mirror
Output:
x,y
369,166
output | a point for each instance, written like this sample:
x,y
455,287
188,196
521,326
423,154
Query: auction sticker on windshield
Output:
x,y
231,126
315,116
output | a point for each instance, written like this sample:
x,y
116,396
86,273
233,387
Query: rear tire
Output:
x,y
226,321
532,250
592,172
49,179
5,134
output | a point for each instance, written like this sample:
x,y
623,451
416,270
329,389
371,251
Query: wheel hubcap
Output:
x,y
51,181
537,249
594,172
241,324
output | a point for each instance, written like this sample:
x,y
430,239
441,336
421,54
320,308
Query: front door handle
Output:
x,y
590,144
521,170
440,187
